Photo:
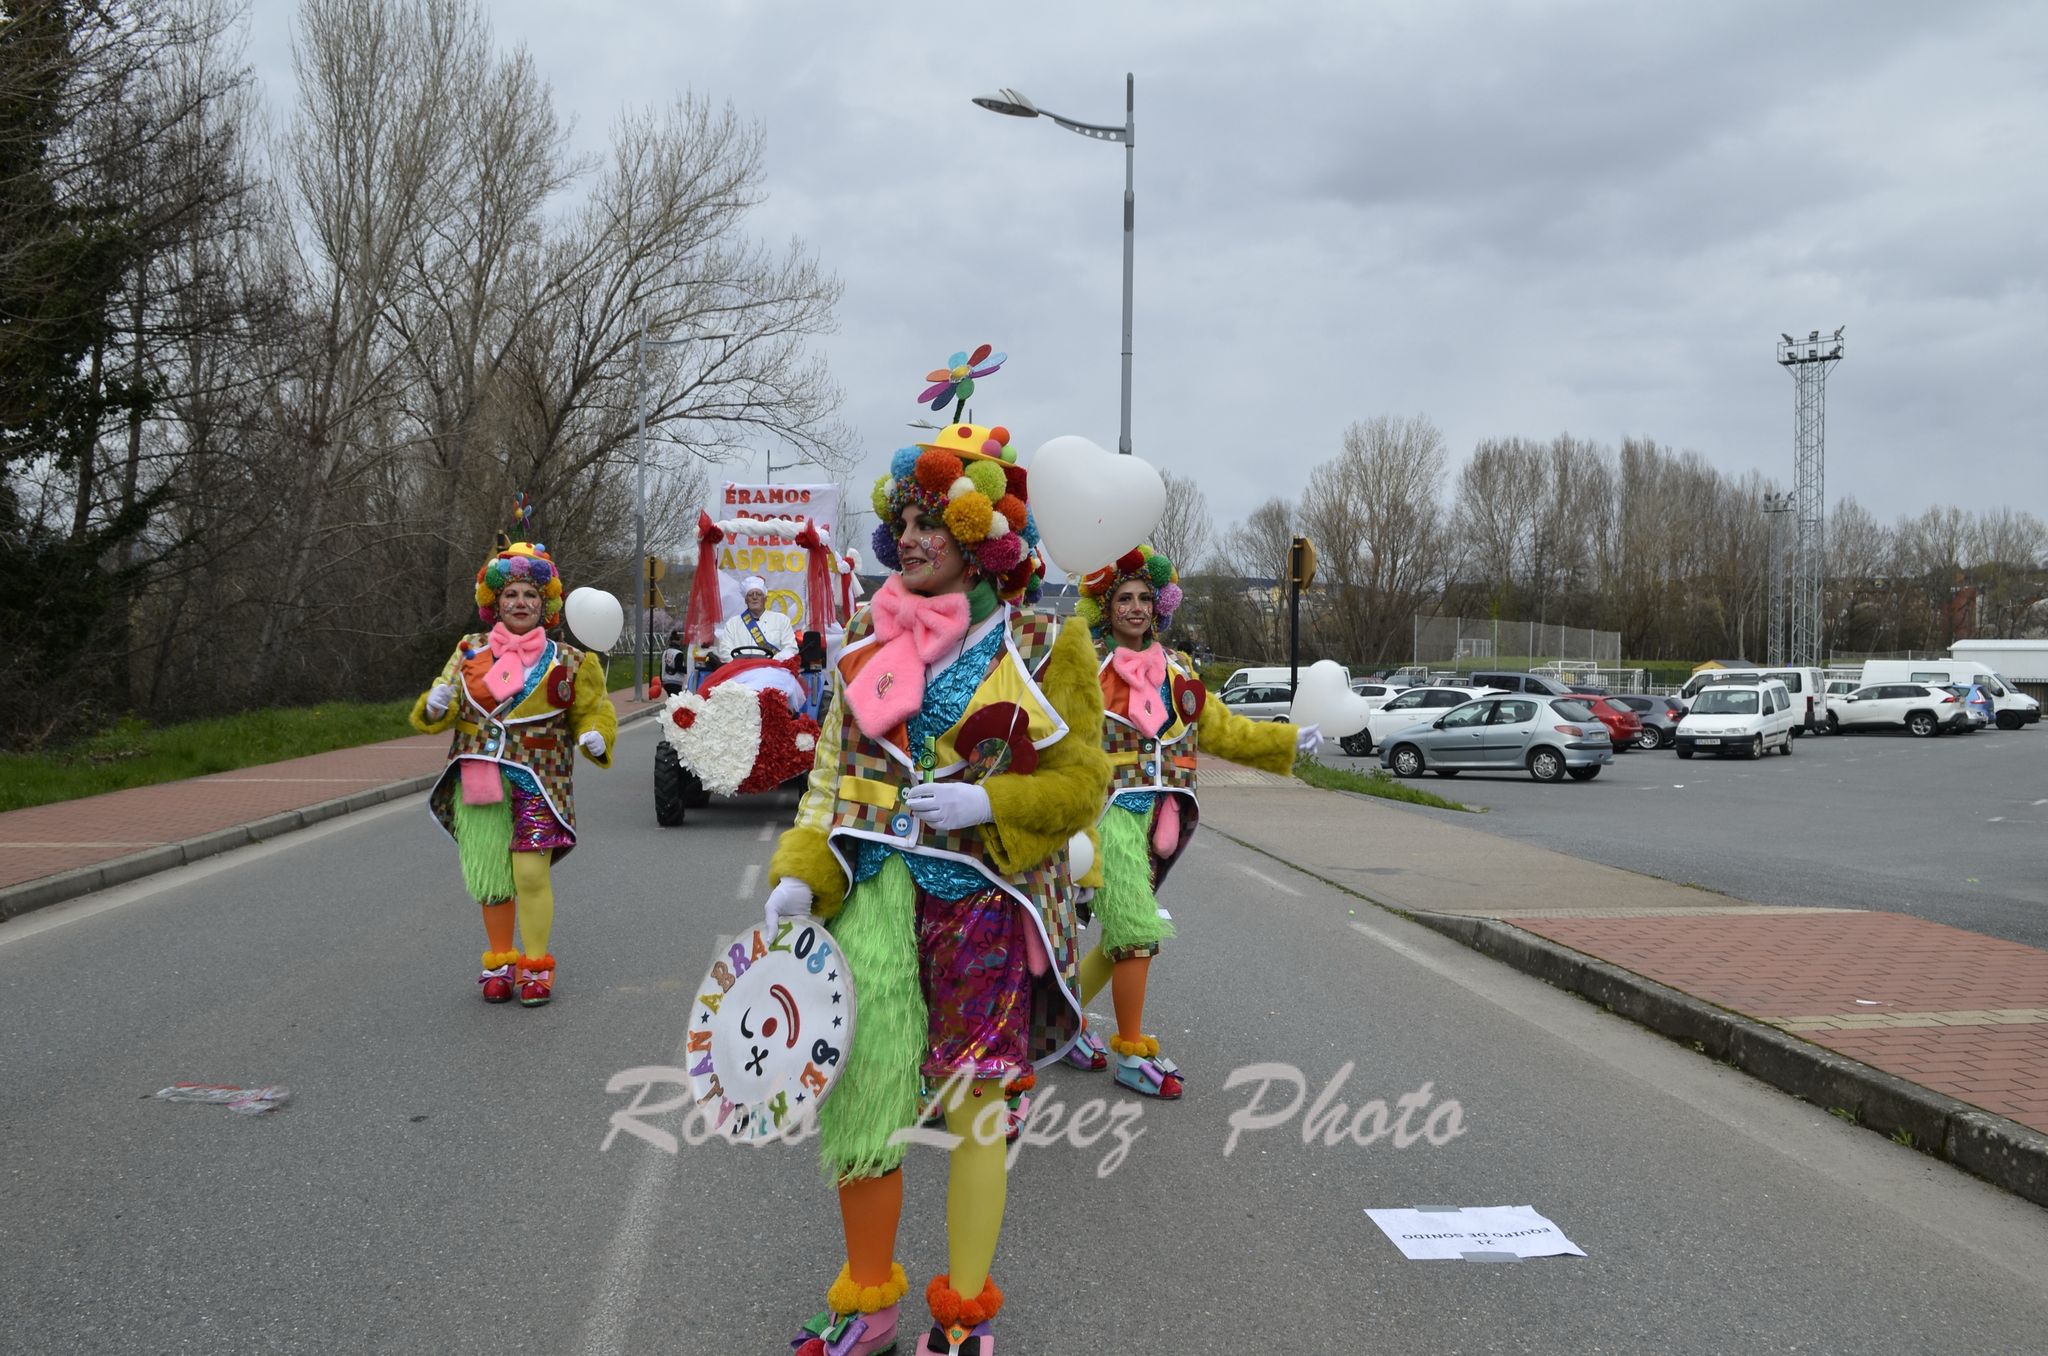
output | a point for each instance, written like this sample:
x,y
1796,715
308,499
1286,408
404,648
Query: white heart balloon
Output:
x,y
1324,699
594,617
1091,506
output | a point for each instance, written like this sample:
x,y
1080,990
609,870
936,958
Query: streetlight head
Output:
x,y
1009,103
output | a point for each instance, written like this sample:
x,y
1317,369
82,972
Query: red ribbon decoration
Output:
x,y
700,621
817,579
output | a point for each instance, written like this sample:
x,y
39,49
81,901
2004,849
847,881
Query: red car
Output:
x,y
1622,725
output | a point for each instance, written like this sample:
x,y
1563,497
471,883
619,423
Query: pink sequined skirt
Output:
x,y
534,826
976,976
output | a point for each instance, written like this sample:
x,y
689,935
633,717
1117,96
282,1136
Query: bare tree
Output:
x,y
2006,564
1377,518
1185,528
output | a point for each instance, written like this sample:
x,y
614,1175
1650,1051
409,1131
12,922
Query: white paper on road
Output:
x,y
1448,1235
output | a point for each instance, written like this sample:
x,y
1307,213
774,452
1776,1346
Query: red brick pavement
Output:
x,y
47,839
1952,1011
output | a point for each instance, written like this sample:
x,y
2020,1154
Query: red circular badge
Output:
x,y
561,687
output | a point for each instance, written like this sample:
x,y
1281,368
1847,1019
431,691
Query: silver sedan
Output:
x,y
1550,738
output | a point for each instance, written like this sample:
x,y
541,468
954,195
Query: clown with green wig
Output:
x,y
1156,717
959,756
520,703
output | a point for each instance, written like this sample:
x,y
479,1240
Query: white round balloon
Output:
x,y
1324,699
1080,856
1091,506
594,617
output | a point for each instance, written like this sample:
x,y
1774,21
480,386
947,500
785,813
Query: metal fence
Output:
x,y
1470,641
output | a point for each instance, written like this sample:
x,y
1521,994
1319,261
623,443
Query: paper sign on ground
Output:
x,y
1448,1235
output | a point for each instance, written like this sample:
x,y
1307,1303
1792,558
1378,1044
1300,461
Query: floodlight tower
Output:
x,y
1809,361
1776,506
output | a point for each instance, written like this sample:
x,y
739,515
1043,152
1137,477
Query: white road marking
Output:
x,y
1263,878
610,1325
1998,819
749,878
767,833
2041,802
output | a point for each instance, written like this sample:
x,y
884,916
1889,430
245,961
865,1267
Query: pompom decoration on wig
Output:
x,y
967,476
526,561
1140,563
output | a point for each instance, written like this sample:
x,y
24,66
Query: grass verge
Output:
x,y
133,753
1378,782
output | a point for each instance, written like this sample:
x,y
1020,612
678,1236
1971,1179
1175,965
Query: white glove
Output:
x,y
1308,739
949,805
593,743
439,697
789,898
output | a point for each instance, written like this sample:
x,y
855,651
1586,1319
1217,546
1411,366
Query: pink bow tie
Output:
x,y
913,632
514,656
1144,670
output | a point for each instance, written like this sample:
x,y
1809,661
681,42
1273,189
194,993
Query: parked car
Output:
x,y
1746,718
1417,706
1513,680
1377,694
1658,717
1550,738
1837,693
2011,708
1921,709
1979,702
1260,701
1622,725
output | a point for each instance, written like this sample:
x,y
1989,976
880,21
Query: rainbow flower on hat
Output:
x,y
1140,562
519,560
968,475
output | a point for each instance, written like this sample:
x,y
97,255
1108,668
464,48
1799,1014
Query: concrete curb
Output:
x,y
44,891
2002,1152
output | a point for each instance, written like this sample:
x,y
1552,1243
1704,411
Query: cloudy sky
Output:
x,y
1512,218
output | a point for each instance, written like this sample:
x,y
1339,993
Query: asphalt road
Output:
x,y
439,1181
1948,828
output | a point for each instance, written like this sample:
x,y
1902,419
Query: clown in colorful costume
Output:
x,y
1156,716
961,752
520,705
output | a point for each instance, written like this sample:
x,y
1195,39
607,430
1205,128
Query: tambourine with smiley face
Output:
x,y
770,1028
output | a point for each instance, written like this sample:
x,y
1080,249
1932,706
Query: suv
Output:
x,y
1522,682
1921,709
1746,718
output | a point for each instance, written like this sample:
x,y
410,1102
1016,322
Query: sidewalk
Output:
x,y
1910,1028
51,853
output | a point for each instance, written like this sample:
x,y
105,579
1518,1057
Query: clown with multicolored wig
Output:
x,y
960,753
520,703
1157,715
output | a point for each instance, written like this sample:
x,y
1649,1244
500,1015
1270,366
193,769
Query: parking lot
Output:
x,y
1950,829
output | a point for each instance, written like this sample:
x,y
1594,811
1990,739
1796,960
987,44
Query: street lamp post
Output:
x,y
1012,104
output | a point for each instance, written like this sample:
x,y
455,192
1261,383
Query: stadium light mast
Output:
x,y
1809,360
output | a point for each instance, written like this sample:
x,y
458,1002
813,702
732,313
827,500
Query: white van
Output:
x,y
1747,718
1269,675
1809,690
2010,707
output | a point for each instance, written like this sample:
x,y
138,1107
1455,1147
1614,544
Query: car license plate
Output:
x,y
1706,741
